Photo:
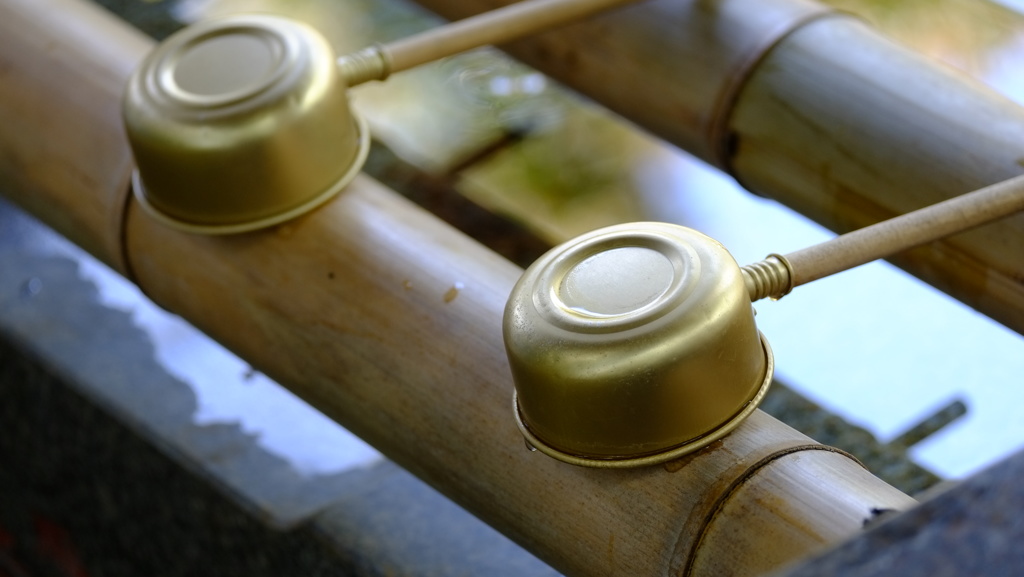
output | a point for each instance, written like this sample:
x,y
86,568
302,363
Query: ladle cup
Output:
x,y
240,123
636,344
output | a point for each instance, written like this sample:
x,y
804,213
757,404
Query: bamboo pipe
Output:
x,y
777,275
810,108
60,127
389,321
378,349
495,27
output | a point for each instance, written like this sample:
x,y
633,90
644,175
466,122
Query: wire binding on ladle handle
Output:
x,y
370,63
770,278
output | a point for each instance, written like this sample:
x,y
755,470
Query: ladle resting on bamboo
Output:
x,y
636,344
241,123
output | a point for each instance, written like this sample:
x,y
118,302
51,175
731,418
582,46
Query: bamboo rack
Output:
x,y
352,307
812,108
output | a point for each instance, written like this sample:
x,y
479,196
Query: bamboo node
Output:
x,y
769,278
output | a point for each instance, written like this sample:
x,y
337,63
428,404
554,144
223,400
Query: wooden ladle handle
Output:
x,y
494,27
778,274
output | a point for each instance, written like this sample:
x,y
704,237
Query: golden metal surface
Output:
x,y
370,63
632,345
240,123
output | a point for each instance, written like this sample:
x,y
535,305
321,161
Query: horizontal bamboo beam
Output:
x,y
389,321
811,108
901,134
60,120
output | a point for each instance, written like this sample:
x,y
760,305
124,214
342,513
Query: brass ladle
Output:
x,y
243,122
636,344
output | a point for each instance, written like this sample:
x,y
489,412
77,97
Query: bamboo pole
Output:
x,y
389,321
495,27
60,123
907,231
907,136
813,109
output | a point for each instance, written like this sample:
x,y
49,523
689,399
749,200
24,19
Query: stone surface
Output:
x,y
103,468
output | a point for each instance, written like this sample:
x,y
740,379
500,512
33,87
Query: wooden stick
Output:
x,y
68,93
352,308
907,231
777,275
495,27
812,109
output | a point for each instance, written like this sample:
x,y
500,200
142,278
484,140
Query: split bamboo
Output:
x,y
811,108
389,321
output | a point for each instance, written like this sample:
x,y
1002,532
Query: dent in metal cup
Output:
x,y
633,345
240,123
